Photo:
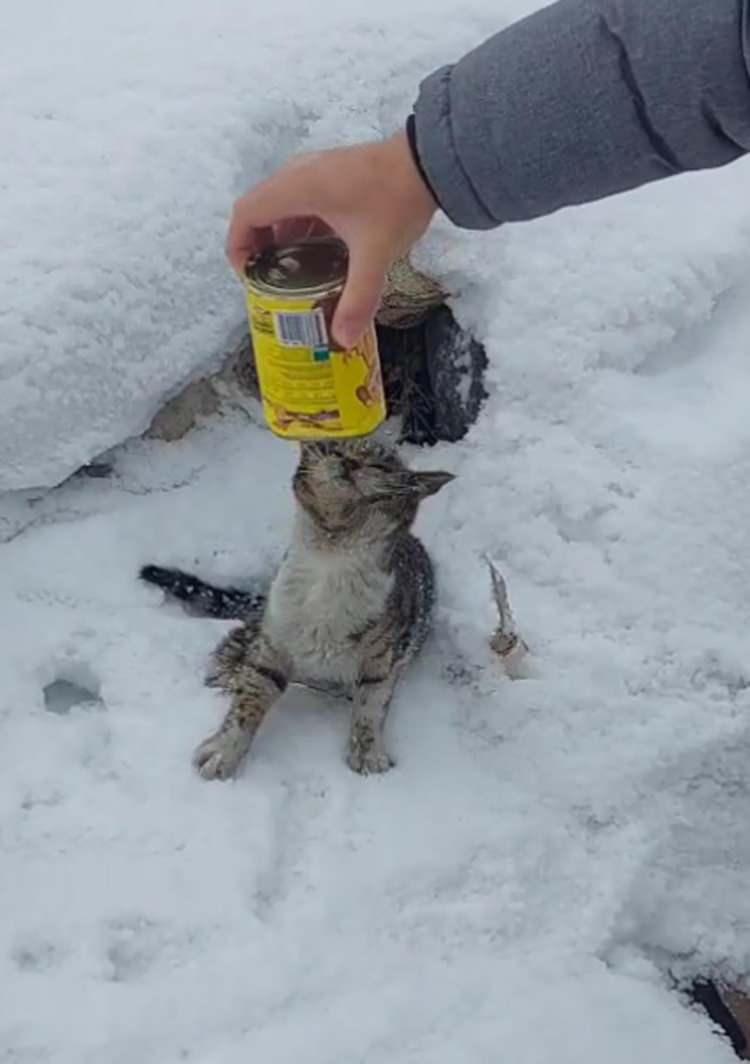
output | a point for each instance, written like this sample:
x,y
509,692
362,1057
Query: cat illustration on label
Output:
x,y
284,419
370,392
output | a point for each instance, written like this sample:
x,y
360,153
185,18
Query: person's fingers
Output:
x,y
254,215
245,244
292,229
249,244
370,194
368,265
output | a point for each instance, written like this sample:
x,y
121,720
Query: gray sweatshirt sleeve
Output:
x,y
582,100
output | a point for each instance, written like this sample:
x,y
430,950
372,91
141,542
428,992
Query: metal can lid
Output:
x,y
311,267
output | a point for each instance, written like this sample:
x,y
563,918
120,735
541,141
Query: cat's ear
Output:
x,y
430,483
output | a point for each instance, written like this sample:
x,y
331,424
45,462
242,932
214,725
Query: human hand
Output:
x,y
370,195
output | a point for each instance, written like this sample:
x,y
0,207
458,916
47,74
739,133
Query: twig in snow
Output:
x,y
506,640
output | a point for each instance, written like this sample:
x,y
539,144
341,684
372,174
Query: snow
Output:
x,y
127,132
549,851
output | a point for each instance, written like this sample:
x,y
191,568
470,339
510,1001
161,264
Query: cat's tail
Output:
x,y
225,603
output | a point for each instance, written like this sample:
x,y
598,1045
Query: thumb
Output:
x,y
368,266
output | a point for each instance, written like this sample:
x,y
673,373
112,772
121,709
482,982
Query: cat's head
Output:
x,y
348,486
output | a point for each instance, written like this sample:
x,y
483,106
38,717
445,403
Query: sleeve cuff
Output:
x,y
439,159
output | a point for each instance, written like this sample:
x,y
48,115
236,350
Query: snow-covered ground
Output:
x,y
547,849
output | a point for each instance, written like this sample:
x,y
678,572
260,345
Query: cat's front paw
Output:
x,y
219,756
370,761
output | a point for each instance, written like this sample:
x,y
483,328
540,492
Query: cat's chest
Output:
x,y
317,603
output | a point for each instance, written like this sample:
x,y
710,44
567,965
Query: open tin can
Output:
x,y
310,387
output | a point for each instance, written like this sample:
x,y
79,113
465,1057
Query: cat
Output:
x,y
348,609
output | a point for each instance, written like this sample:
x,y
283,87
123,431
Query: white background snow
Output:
x,y
548,849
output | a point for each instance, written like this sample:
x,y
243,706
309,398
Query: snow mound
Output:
x,y
127,132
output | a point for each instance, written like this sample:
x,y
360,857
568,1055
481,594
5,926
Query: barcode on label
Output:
x,y
302,328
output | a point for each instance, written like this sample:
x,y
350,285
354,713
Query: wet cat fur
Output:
x,y
348,609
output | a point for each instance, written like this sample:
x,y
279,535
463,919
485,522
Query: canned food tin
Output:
x,y
310,387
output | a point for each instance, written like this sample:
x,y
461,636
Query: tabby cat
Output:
x,y
347,610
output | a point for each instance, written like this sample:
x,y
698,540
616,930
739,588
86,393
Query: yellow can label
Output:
x,y
309,389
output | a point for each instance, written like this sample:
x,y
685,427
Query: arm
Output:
x,y
582,100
